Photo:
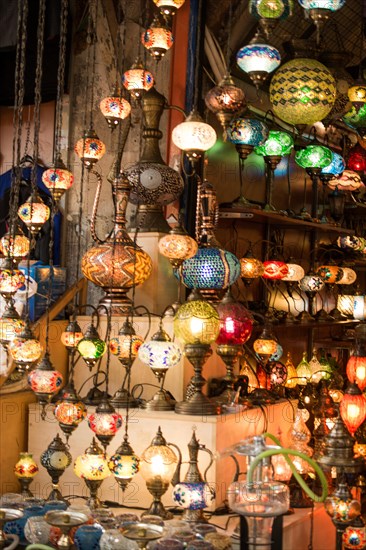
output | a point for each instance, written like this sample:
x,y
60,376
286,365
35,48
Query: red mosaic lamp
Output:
x,y
353,408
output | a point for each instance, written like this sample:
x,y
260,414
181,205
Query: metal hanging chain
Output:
x,y
197,67
37,92
121,62
94,18
60,79
18,112
229,24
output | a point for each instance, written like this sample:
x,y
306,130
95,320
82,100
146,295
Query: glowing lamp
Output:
x,y
357,159
314,157
34,213
271,9
105,422
348,181
114,109
291,381
353,408
124,464
236,323
303,370
349,276
277,144
45,382
90,148
246,133
351,242
258,60
294,274
311,283
265,345
157,39
11,280
359,307
356,369
25,349
10,325
330,273
92,467
211,268
274,269
157,466
357,95
340,506
335,168
192,495
356,119
225,100
91,347
70,411
15,246
302,91
355,535
196,321
160,353
281,470
137,80
169,7
177,246
72,336
250,267
25,470
126,345
345,304
57,179
194,136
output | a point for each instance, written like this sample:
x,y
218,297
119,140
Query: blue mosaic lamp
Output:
x,y
246,133
258,60
211,268
335,168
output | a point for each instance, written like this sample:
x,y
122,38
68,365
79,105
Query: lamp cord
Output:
x,y
60,79
197,55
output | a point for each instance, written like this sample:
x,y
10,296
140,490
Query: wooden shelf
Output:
x,y
260,216
315,324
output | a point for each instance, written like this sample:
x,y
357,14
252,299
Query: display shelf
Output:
x,y
260,216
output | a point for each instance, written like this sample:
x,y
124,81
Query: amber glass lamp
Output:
x,y
25,349
71,336
57,179
15,245
353,408
11,325
330,273
92,467
34,213
11,279
25,470
225,100
168,7
157,466
197,325
90,148
177,246
157,39
137,80
115,108
250,267
70,411
266,344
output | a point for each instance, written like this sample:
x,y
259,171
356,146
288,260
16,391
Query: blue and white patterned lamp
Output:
x,y
335,168
211,268
246,133
258,60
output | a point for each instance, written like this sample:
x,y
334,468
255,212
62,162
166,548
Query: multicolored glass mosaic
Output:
x,y
255,58
247,131
210,268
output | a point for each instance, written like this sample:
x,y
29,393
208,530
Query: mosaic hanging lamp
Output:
x,y
34,213
270,12
334,169
225,100
115,108
194,136
124,464
356,160
11,279
274,269
55,459
70,411
320,10
168,7
348,181
250,267
153,183
157,39
118,264
278,144
353,408
91,347
72,335
11,325
302,91
246,133
90,149
45,382
58,179
137,80
356,118
357,94
258,60
105,421
25,349
177,246
15,245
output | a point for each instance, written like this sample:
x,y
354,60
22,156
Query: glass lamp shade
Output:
x,y
194,136
169,7
90,148
236,323
247,131
350,242
126,345
311,283
357,95
225,100
303,370
302,91
277,144
291,381
70,411
72,335
314,156
105,422
15,246
192,496
349,276
10,325
270,9
91,347
93,464
212,268
251,268
356,370
355,535
197,322
45,381
137,80
265,345
281,470
26,467
10,281
340,506
345,304
353,408
330,273
356,119
329,5
25,349
56,458
158,461
348,181
160,354
34,214
274,269
295,273
114,109
177,247
260,500
258,60
57,180
357,159
157,39
124,464
336,167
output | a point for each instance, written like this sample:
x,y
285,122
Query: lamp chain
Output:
x,y
197,66
229,25
60,79
94,18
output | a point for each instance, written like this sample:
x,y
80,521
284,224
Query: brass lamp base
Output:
x,y
305,317
337,315
157,509
150,218
194,516
160,402
116,301
24,486
322,315
93,485
198,405
122,399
